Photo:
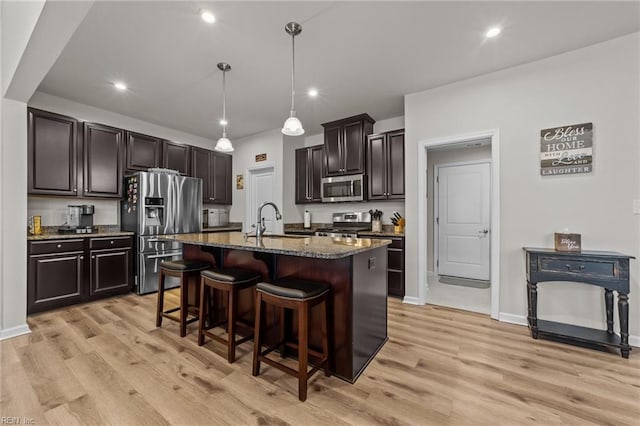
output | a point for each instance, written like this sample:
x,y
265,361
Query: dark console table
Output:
x,y
609,270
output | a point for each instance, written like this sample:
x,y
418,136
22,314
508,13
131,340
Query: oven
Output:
x,y
342,188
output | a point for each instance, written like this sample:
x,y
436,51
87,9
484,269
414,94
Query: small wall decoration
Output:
x,y
239,182
261,157
566,150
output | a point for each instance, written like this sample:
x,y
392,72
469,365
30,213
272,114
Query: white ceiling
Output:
x,y
362,56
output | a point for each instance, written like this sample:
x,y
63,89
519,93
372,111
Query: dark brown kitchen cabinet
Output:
x,y
214,169
395,265
142,152
103,161
385,166
73,270
176,156
344,145
111,265
308,174
52,153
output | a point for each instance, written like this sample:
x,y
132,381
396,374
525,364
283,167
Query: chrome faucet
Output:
x,y
260,228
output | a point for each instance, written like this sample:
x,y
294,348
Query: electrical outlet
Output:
x,y
372,263
636,206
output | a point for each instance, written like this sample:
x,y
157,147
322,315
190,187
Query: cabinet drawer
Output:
x,y
56,246
110,242
394,260
397,243
593,268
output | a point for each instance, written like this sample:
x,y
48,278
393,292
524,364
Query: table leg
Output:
x,y
532,293
623,312
608,303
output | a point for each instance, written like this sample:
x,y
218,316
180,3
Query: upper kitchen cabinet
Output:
x,y
103,161
385,166
344,145
214,169
308,174
52,152
176,156
143,152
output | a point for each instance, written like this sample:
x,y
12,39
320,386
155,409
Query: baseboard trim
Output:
x,y
522,320
14,331
512,318
410,300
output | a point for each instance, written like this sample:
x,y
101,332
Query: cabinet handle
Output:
x,y
86,190
580,268
93,257
81,257
75,189
59,245
111,241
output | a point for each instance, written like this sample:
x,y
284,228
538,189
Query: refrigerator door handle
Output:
x,y
159,256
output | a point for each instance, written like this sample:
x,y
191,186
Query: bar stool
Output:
x,y
230,281
182,269
301,295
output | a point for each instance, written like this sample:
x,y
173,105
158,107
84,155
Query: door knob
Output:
x,y
483,231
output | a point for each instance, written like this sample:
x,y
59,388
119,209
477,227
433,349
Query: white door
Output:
x,y
462,220
261,189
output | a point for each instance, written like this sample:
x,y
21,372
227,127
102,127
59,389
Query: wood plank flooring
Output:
x,y
106,363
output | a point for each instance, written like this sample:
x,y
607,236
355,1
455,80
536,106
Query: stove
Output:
x,y
346,225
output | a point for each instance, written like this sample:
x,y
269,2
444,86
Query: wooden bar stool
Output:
x,y
301,295
182,269
231,281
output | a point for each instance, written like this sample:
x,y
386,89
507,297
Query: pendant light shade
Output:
x,y
293,126
224,144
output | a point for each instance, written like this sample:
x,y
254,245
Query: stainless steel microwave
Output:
x,y
343,188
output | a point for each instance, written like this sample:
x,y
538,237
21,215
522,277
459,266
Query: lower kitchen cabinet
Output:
x,y
68,271
395,265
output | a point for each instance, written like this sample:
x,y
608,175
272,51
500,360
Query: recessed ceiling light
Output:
x,y
313,93
492,32
207,16
120,85
223,122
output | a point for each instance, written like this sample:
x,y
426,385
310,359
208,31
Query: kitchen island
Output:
x,y
354,267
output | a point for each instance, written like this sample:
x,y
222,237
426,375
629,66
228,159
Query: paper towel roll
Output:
x,y
307,219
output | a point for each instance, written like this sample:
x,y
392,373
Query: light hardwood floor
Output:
x,y
107,363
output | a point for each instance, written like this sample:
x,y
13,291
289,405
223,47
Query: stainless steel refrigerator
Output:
x,y
159,203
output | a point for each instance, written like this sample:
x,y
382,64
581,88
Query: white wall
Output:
x,y
596,84
437,157
321,213
246,149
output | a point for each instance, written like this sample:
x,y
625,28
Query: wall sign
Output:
x,y
566,150
261,157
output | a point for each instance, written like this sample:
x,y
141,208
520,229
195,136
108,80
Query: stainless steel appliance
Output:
x,y
215,217
79,220
158,203
346,225
342,188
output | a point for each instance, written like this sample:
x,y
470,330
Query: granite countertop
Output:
x,y
56,236
384,233
292,245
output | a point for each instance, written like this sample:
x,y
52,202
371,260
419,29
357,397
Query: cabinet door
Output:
x,y
200,169
377,167
52,153
395,165
333,164
103,159
176,156
221,182
111,271
315,169
302,180
353,148
54,280
143,152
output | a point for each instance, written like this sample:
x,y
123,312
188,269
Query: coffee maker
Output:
x,y
79,220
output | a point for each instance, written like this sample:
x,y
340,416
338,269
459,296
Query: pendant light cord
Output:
x,y
224,103
293,73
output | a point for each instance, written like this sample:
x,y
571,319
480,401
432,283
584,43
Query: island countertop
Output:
x,y
292,245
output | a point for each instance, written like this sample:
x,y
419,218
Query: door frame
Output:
x,y
436,204
423,146
248,213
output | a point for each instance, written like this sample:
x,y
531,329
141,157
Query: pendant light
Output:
x,y
224,144
293,126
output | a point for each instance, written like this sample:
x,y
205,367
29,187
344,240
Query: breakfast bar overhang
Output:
x,y
354,267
